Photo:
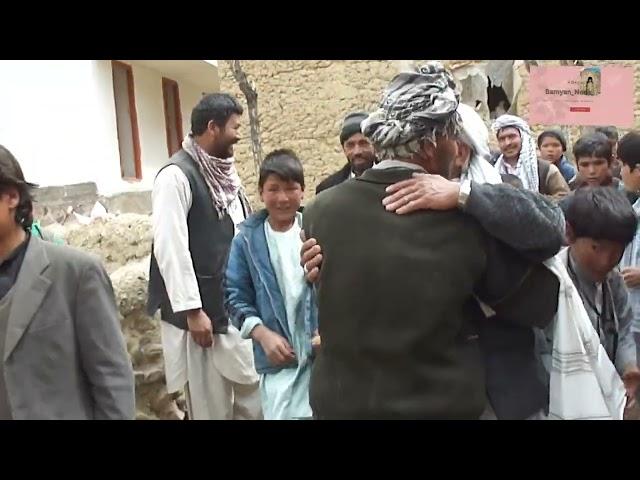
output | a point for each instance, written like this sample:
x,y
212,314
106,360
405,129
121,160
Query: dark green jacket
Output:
x,y
397,312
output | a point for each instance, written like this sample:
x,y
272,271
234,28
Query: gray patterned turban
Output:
x,y
416,106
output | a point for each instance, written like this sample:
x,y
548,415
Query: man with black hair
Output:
x,y
600,225
62,353
611,133
197,203
357,148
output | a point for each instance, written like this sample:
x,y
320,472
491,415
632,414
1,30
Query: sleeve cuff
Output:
x,y
183,307
249,324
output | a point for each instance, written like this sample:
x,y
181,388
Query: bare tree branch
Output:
x,y
250,93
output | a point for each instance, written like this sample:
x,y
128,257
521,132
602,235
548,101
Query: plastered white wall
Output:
x,y
58,118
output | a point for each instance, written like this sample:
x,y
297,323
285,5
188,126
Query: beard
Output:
x,y
362,162
224,150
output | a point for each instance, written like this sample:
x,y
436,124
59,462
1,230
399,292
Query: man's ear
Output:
x,y
427,149
213,127
12,195
464,156
427,155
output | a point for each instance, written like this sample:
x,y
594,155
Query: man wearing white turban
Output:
x,y
519,157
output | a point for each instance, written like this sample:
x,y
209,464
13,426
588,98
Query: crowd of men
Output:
x,y
427,279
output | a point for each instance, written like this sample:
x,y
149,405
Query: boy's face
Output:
x,y
596,257
594,170
281,198
551,149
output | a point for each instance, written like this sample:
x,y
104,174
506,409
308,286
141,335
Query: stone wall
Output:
x,y
51,203
302,104
123,244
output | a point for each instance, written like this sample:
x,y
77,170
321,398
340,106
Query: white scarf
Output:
x,y
527,167
584,384
476,134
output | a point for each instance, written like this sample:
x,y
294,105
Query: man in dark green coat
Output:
x,y
397,297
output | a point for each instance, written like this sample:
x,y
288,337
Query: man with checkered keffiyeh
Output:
x,y
519,157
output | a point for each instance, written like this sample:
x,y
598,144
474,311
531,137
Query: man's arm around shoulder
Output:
x,y
526,221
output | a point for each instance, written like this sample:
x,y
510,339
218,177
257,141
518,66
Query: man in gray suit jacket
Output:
x,y
62,352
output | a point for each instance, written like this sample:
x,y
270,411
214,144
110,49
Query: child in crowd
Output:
x,y
266,293
593,158
600,225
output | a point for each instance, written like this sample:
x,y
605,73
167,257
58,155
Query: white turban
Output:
x,y
527,167
476,135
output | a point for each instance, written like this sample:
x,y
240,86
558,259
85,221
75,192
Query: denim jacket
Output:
x,y
566,168
251,289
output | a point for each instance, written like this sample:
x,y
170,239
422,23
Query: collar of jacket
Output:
x,y
257,219
386,176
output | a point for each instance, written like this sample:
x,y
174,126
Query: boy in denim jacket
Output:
x,y
266,294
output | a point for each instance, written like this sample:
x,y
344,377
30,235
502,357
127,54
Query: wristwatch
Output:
x,y
463,196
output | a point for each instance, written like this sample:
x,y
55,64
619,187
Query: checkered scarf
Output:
x,y
416,106
219,174
527,167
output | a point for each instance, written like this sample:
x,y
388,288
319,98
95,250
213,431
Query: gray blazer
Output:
x,y
65,355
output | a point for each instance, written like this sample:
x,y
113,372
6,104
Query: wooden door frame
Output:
x,y
169,83
133,114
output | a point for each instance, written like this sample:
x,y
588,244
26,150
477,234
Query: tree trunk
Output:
x,y
251,95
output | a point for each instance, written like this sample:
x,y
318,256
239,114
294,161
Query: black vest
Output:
x,y
209,243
